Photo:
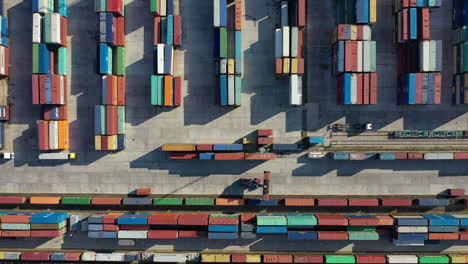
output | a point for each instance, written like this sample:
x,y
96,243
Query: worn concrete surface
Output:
x,y
143,164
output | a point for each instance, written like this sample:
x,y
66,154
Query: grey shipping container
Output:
x,y
137,201
12,255
2,135
248,235
286,147
247,228
433,202
132,256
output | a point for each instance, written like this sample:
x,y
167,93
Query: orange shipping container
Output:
x,y
120,31
168,90
260,156
156,37
13,219
238,15
385,220
44,200
299,202
178,147
228,201
443,236
63,134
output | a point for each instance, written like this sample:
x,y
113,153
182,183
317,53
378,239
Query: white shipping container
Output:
x,y
116,257
438,156
12,255
366,56
412,229
160,59
53,134
402,259
367,32
128,243
231,90
424,55
55,28
102,31
294,41
62,89
359,56
172,258
278,43
42,6
433,55
295,89
216,13
353,89
286,42
131,234
3,60
162,7
88,256
36,30
223,66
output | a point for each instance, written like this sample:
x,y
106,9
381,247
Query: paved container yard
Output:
x,y
264,101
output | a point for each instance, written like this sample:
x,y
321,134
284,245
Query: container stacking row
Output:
x,y
166,88
4,64
49,68
109,116
460,52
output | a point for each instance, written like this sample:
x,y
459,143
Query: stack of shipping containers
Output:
x,y
355,52
419,57
49,68
460,52
223,226
289,47
43,224
166,89
109,116
4,61
227,21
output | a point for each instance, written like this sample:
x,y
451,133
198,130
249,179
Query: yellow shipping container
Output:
x,y
178,147
249,141
353,32
294,65
373,11
2,255
223,258
208,258
457,258
231,66
254,259
112,143
97,142
286,65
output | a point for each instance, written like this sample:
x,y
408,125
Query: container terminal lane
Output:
x,y
162,117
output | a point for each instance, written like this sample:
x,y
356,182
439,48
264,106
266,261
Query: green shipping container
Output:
x,y
35,58
102,5
168,201
120,61
62,61
362,228
223,42
352,235
301,220
432,55
102,111
163,32
76,200
199,201
155,6
50,7
7,226
270,220
373,54
294,41
340,259
157,88
121,119
47,27
238,84
433,259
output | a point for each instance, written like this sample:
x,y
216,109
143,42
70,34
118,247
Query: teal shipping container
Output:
x,y
157,88
62,61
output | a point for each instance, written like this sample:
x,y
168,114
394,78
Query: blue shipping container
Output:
x,y
132,220
170,7
223,235
228,147
443,229
168,55
63,9
97,120
387,156
170,30
223,228
206,156
100,234
271,229
316,140
347,83
284,14
104,58
48,89
412,221
362,11
341,156
286,147
110,28
216,38
44,59
57,256
258,202
442,220
413,23
433,202
302,235
412,236
121,142
223,13
339,51
223,89
48,218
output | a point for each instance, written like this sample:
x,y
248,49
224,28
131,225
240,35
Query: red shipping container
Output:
x,y
366,88
52,62
106,201
109,219
177,91
65,89
63,31
332,202
397,202
301,259
404,24
108,227
192,234
104,142
111,90
443,236
332,220
229,156
363,221
316,259
456,192
35,89
260,156
300,43
301,13
265,140
461,155
299,202
238,258
224,220
401,155
285,259
42,94
371,259
156,32
43,256
340,32
144,191
16,219
438,88
265,132
205,147
415,155
120,31
351,55
177,30
413,3
163,234
238,15
373,88
363,202
183,156
360,88
404,3
419,88
134,227
279,66
300,66
121,90
425,24
43,135
7,114
163,219
55,89
16,233
193,219
270,258
463,235
360,32
47,233
111,119
385,220
73,256
114,6
248,218
328,235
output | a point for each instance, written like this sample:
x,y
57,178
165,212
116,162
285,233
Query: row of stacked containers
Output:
x,y
355,53
290,40
460,52
406,230
227,22
166,88
43,224
4,63
109,115
49,68
419,57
